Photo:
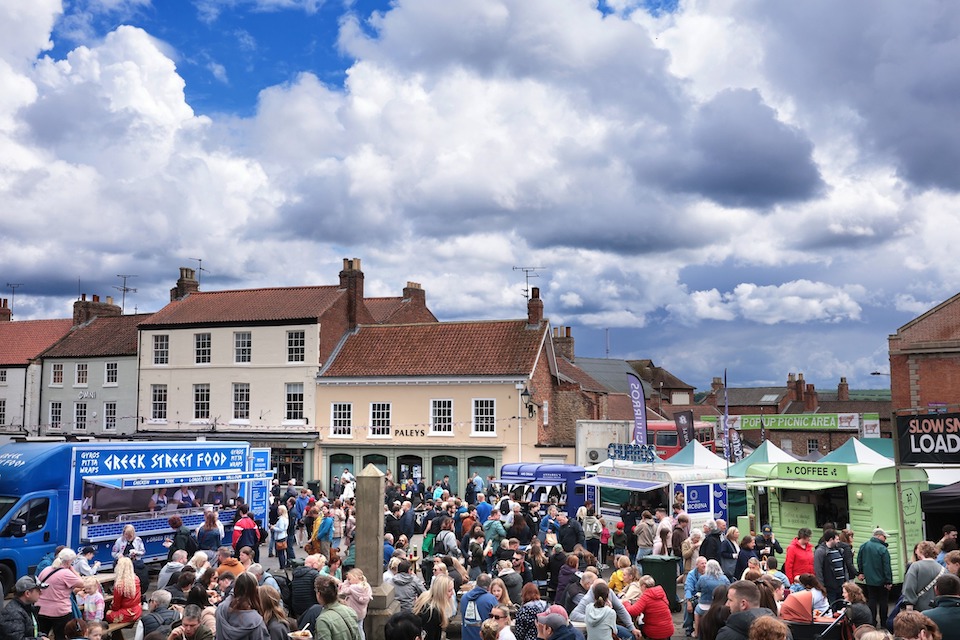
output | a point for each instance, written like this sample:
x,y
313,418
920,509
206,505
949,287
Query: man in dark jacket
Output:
x,y
829,565
873,563
571,533
159,614
710,547
946,606
18,620
743,600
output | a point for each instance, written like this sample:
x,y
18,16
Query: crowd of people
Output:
x,y
494,566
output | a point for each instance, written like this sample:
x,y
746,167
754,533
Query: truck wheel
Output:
x,y
7,580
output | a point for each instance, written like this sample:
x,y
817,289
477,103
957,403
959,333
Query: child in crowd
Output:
x,y
355,592
91,599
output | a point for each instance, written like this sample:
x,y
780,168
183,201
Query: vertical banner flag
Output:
x,y
736,445
726,419
763,431
684,421
639,403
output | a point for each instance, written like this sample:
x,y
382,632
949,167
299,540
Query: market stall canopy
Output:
x,y
943,500
766,452
855,452
883,446
621,483
697,455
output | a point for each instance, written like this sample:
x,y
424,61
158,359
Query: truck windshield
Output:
x,y
6,503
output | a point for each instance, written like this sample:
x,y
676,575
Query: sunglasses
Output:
x,y
499,617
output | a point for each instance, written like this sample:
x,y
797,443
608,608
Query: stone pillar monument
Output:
x,y
369,550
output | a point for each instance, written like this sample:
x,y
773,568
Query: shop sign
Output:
x,y
794,422
635,473
929,438
812,471
795,516
631,452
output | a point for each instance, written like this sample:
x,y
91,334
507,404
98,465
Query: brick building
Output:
x,y
925,360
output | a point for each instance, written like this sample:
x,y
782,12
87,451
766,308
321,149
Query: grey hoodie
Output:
x,y
601,621
239,625
406,588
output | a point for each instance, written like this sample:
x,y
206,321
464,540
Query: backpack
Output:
x,y
286,591
471,614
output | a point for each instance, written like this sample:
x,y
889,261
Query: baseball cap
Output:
x,y
555,617
26,583
767,529
879,532
87,550
619,525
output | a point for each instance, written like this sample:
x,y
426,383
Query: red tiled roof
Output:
x,y
620,407
578,375
484,348
23,340
247,305
101,337
382,308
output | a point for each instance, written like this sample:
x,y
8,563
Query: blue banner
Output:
x,y
639,403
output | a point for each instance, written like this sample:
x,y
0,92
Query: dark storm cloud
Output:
x,y
740,155
894,66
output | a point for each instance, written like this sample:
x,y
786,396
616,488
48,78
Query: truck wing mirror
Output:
x,y
17,527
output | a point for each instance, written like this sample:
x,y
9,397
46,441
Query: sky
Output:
x,y
755,187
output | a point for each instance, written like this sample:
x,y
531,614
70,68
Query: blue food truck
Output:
x,y
541,482
84,494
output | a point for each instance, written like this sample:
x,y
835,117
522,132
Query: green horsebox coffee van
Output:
x,y
859,497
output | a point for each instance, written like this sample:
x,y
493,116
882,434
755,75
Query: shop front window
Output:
x,y
339,462
483,465
377,460
410,467
289,464
446,466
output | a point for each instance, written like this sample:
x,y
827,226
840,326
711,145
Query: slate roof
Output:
x,y
612,374
115,336
751,396
481,348
699,410
23,340
247,305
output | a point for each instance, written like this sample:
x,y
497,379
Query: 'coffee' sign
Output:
x,y
812,471
927,438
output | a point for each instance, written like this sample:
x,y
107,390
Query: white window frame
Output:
x,y
111,369
201,403
203,347
290,390
341,419
161,349
109,416
158,403
3,411
241,399
3,377
56,371
296,346
80,416
243,347
56,409
81,370
435,410
475,418
381,420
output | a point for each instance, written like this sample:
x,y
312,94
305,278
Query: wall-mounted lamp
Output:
x,y
527,398
859,495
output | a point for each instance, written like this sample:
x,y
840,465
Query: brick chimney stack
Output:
x,y
6,314
843,390
534,308
798,388
415,294
810,400
351,279
563,342
186,284
86,310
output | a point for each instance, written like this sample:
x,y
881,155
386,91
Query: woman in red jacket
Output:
x,y
653,604
799,556
126,594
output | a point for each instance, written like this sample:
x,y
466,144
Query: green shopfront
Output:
x,y
428,464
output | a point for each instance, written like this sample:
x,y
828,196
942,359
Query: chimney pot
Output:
x,y
568,332
96,298
534,308
83,296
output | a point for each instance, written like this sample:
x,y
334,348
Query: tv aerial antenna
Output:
x,y
124,289
200,268
529,273
13,292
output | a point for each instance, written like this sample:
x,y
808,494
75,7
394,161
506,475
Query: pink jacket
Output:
x,y
356,596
